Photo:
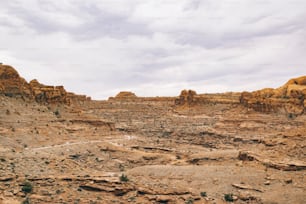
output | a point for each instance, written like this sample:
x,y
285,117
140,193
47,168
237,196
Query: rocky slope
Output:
x,y
57,147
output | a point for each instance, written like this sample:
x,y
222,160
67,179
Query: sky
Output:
x,y
155,47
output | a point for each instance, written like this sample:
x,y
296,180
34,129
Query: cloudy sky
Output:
x,y
155,47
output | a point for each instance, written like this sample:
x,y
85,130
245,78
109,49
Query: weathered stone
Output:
x,y
289,98
11,84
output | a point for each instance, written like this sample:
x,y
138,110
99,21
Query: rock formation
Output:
x,y
11,84
186,98
289,98
48,94
124,95
189,98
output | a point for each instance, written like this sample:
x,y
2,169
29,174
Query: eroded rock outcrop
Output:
x,y
190,98
48,94
125,96
289,98
187,97
11,84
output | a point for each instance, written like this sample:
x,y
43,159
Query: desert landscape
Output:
x,y
60,147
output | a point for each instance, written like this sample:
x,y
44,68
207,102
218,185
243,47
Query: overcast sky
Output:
x,y
154,47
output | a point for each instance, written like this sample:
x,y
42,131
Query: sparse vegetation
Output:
x,y
291,116
124,178
9,94
203,194
26,201
189,201
57,113
228,197
121,167
27,187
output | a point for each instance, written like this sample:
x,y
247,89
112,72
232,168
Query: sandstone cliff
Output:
x,y
191,98
124,96
11,84
186,98
48,94
289,98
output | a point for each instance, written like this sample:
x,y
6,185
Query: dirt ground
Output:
x,y
149,152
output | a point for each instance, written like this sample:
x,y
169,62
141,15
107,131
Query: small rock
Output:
x,y
16,191
235,197
267,183
288,181
8,194
246,196
98,159
45,193
215,181
239,163
6,178
163,198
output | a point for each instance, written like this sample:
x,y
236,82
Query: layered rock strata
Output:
x,y
11,84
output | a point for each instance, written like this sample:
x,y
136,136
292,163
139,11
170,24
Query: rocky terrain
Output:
x,y
59,147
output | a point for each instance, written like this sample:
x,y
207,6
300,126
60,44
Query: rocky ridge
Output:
x,y
11,84
289,98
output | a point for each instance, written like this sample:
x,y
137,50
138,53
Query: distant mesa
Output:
x,y
126,94
187,97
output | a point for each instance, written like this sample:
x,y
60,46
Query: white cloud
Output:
x,y
154,47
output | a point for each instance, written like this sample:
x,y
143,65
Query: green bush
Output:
x,y
124,178
203,194
27,187
57,113
228,197
291,116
